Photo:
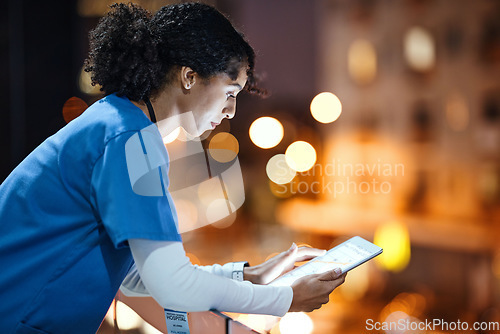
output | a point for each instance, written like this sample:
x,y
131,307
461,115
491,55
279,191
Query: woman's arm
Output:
x,y
263,273
132,285
176,284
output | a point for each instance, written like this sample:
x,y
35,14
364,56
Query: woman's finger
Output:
x,y
307,253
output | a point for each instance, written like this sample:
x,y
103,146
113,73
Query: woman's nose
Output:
x,y
229,110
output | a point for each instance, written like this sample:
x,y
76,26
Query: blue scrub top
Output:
x,y
66,213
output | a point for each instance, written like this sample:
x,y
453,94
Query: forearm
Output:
x,y
182,286
133,286
251,274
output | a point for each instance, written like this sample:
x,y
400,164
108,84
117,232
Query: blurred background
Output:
x,y
383,122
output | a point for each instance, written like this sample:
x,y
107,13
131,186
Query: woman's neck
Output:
x,y
166,111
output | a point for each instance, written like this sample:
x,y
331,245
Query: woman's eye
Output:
x,y
230,95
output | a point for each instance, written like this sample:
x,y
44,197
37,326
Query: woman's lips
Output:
x,y
214,124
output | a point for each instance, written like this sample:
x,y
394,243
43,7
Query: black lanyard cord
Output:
x,y
150,109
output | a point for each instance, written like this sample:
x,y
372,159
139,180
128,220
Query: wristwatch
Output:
x,y
238,270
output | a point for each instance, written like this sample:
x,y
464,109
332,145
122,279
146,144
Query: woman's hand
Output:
x,y
312,291
280,264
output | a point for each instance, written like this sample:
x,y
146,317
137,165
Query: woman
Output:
x,y
73,227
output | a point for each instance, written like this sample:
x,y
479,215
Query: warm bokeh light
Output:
x,y
73,108
223,147
187,214
172,136
457,112
419,49
85,84
148,329
278,170
326,107
266,132
252,320
296,323
126,318
394,238
358,283
397,318
300,156
226,221
362,61
209,191
411,304
110,315
275,329
219,209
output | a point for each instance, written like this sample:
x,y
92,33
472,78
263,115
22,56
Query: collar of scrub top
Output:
x,y
150,109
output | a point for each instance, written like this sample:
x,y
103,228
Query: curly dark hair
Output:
x,y
133,52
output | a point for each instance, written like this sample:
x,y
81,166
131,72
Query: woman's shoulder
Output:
x,y
109,117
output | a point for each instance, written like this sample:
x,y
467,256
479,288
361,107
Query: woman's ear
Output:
x,y
188,77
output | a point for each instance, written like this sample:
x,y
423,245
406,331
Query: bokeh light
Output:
x,y
296,323
225,222
358,283
326,107
266,132
362,61
223,147
404,305
85,83
172,136
278,170
209,191
73,108
395,320
300,156
219,209
187,214
419,49
254,321
126,318
148,329
110,315
394,238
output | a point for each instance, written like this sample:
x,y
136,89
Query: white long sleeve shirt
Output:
x,y
162,270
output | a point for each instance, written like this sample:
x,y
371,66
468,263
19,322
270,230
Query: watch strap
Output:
x,y
237,273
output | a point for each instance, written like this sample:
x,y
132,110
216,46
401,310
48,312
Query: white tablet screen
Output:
x,y
345,256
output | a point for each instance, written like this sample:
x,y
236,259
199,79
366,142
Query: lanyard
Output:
x,y
150,109
177,322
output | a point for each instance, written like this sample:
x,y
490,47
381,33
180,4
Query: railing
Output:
x,y
215,323
212,322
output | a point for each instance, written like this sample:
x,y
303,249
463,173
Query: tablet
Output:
x,y
345,256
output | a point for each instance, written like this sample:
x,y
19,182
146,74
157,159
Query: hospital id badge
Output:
x,y
177,322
